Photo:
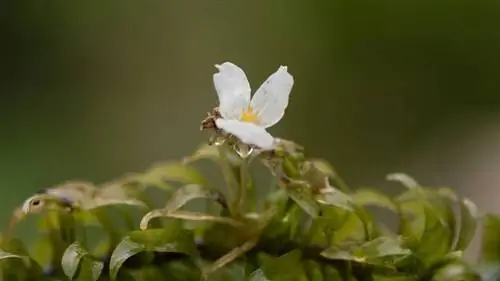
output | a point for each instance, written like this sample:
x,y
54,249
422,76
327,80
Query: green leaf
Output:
x,y
469,218
112,194
258,275
211,152
13,245
433,228
77,264
457,270
43,252
187,193
204,151
331,225
302,195
324,167
172,240
351,228
439,220
404,179
71,260
15,264
287,267
364,197
381,251
174,172
433,235
370,197
6,255
335,198
314,271
490,240
284,222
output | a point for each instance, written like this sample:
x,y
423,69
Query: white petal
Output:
x,y
233,90
271,99
248,133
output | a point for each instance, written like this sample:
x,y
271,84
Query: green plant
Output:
x,y
306,224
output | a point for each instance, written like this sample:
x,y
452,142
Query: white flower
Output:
x,y
248,119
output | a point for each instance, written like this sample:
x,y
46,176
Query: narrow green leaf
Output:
x,y
187,193
490,240
364,197
175,172
335,198
324,167
302,195
71,260
173,240
7,255
211,152
204,151
381,251
90,269
404,179
77,264
293,220
469,217
122,252
112,194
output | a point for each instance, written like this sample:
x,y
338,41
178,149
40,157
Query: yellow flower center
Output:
x,y
249,116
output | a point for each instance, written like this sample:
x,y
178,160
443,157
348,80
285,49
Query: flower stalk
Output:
x,y
230,179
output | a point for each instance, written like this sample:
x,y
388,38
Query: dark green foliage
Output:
x,y
310,227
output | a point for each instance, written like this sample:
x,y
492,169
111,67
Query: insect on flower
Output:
x,y
245,118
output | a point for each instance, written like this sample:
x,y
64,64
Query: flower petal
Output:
x,y
271,99
233,90
248,133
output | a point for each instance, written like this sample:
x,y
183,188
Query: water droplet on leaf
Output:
x,y
243,150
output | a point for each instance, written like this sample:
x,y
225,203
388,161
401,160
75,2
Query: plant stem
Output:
x,y
242,190
231,182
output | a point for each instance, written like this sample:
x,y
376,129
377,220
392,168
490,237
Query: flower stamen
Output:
x,y
249,116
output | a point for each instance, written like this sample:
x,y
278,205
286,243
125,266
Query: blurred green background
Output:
x,y
94,89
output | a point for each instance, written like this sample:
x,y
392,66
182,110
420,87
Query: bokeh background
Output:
x,y
94,89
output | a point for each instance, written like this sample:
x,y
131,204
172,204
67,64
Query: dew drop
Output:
x,y
243,150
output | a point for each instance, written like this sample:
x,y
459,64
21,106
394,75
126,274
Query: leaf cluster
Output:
x,y
171,223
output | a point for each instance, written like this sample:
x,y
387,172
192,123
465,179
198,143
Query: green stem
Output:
x,y
242,190
231,182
